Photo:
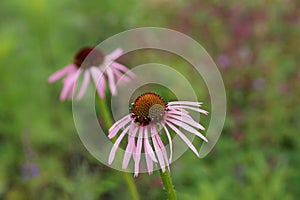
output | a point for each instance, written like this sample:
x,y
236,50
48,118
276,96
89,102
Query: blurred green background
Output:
x,y
256,47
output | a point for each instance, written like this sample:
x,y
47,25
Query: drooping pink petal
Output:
x,y
170,142
116,145
178,111
101,87
85,83
185,103
127,154
188,120
99,81
121,76
118,125
135,154
148,146
149,161
115,130
138,152
123,69
72,76
60,73
68,85
184,138
180,114
111,81
161,145
113,55
119,121
158,150
130,146
188,128
163,149
72,90
191,108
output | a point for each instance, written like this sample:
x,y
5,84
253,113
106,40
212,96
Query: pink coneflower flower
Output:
x,y
148,111
92,63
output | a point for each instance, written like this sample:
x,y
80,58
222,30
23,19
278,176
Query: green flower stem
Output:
x,y
106,116
167,181
131,185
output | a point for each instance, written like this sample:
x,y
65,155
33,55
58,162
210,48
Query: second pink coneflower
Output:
x,y
93,64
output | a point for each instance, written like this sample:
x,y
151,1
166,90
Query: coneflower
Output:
x,y
140,126
92,63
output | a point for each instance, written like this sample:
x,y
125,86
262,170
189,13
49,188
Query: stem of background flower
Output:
x,y
167,181
106,116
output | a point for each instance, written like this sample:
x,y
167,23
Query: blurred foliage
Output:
x,y
254,43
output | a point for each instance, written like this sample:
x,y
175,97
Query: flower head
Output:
x,y
92,63
147,111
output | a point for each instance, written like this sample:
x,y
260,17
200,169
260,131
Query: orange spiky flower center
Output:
x,y
148,107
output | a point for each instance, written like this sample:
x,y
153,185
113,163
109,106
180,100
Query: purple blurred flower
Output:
x,y
29,170
223,61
